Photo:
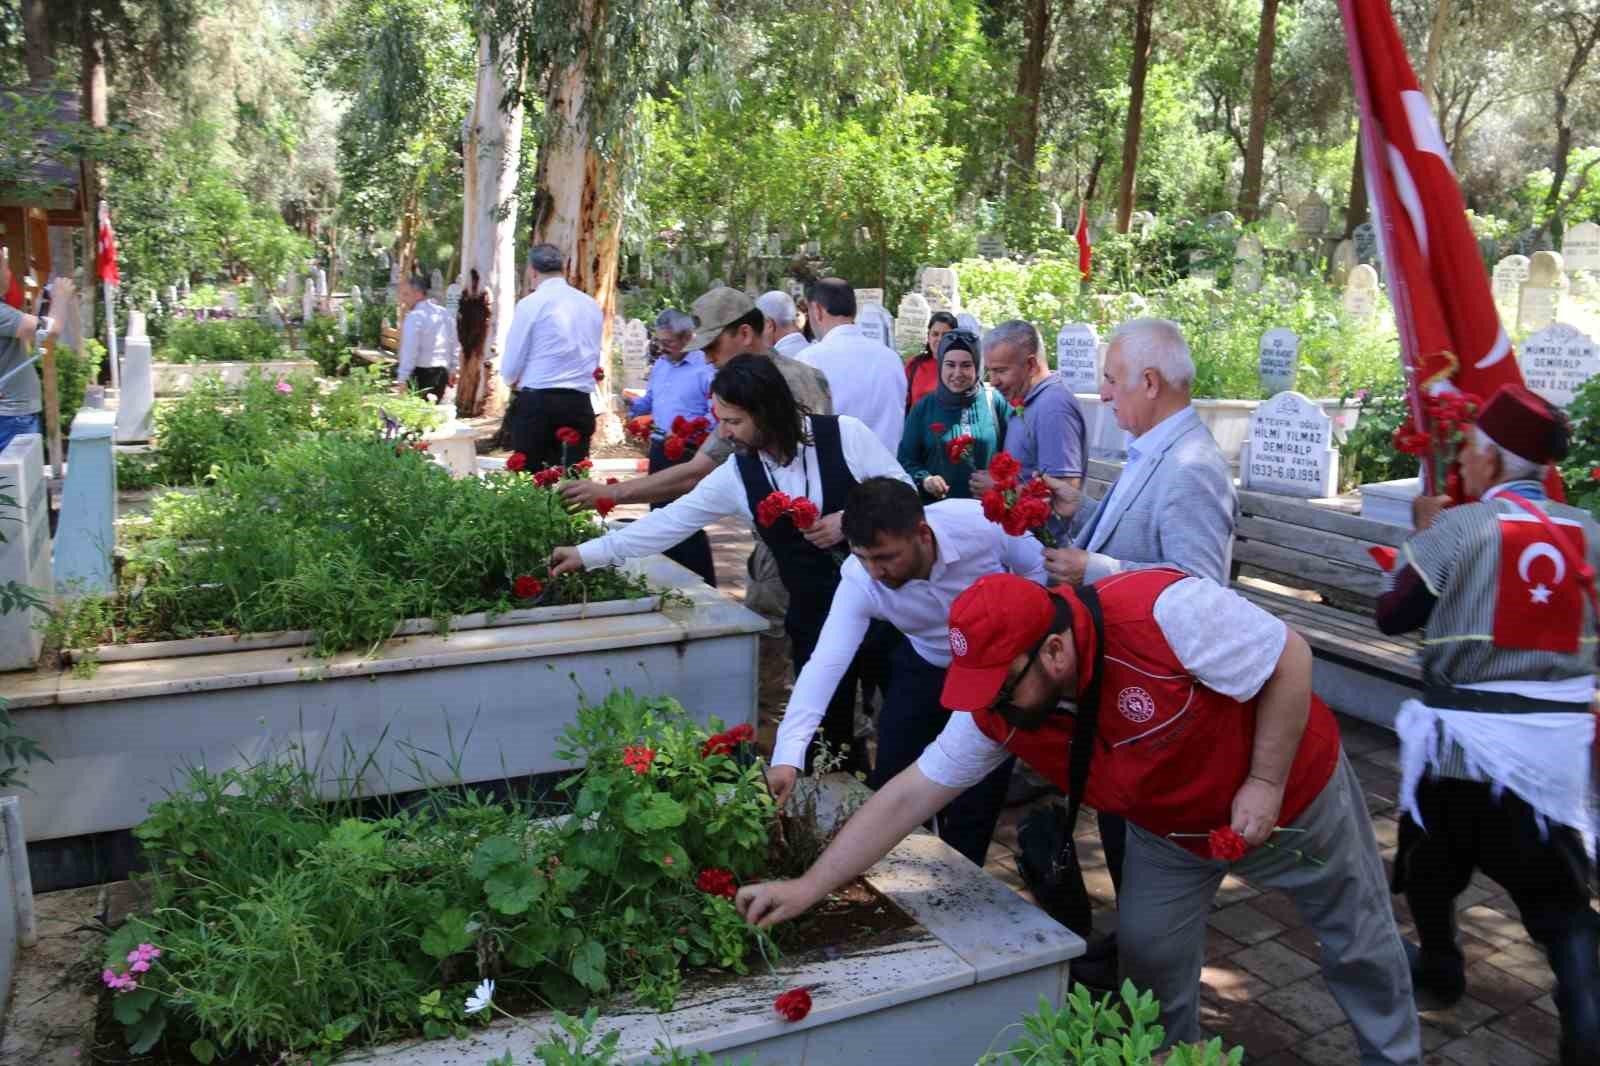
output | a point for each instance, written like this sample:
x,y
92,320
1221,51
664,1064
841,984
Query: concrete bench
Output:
x,y
1307,563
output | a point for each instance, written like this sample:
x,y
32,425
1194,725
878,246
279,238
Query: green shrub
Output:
x,y
369,324
74,374
1091,1032
326,346
289,925
237,340
1368,454
348,536
1582,464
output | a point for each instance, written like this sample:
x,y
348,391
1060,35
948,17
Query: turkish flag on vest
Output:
x,y
1539,603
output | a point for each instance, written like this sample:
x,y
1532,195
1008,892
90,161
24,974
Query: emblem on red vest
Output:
x,y
1539,603
1136,705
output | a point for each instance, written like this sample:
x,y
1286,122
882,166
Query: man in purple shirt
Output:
x,y
1047,436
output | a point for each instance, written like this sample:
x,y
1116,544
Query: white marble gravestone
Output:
x,y
1556,361
1280,214
322,282
1280,360
876,323
1311,217
1344,261
1509,274
1206,276
1143,223
137,399
1247,264
1366,238
25,552
230,301
1361,291
813,249
435,282
634,343
1540,297
1078,357
1580,248
869,296
774,245
911,324
991,246
85,535
1290,449
308,301
942,289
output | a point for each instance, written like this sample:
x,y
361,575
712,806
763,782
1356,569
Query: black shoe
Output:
x,y
1097,966
1442,977
1575,958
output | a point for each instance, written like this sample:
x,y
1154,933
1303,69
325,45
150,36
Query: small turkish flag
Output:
x,y
1084,252
107,250
1539,603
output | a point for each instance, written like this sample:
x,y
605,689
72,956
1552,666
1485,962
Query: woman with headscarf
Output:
x,y
958,427
922,372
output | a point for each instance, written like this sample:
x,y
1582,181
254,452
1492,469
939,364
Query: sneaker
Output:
x,y
1443,978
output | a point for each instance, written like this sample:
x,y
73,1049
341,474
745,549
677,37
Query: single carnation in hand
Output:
x,y
547,477
604,505
793,1005
1227,845
1015,522
568,436
773,508
599,373
994,505
803,513
527,587
516,462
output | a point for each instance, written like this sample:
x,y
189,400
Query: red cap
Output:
x,y
1524,423
999,618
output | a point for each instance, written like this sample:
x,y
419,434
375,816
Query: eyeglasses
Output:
x,y
1003,705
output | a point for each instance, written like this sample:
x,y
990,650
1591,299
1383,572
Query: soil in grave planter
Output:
x,y
855,919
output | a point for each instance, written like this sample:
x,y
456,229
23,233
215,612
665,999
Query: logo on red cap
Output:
x,y
1136,705
958,643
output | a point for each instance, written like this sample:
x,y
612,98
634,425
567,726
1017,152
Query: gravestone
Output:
x,y
1361,291
1344,261
1290,449
813,249
322,282
1206,276
452,298
1247,264
1366,238
25,553
1142,222
968,321
1222,220
293,294
172,295
357,301
991,246
435,282
138,396
911,324
1580,249
1556,361
876,323
1540,297
1280,214
1509,274
1057,215
796,291
941,288
308,301
635,345
230,301
1280,360
1311,217
774,245
1078,357
85,535
869,296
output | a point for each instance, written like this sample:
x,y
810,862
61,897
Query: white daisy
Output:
x,y
481,997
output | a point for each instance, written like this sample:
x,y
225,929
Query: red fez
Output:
x,y
1525,424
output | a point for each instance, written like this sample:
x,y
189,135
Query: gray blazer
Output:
x,y
1180,512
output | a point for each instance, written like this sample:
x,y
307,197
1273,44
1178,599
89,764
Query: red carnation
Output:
x,y
516,462
958,449
699,437
715,882
1004,467
639,427
803,513
583,464
774,507
793,1004
994,505
680,426
638,758
613,481
604,505
1594,475
548,476
1226,845
568,435
672,448
1014,522
527,587
743,733
936,428
1038,487
599,373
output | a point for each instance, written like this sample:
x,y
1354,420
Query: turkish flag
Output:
x,y
1085,253
107,249
1539,602
1450,333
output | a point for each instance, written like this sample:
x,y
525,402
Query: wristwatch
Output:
x,y
43,332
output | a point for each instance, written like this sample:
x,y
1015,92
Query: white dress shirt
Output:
x,y
1140,448
554,340
867,380
967,546
791,344
1229,644
428,339
721,493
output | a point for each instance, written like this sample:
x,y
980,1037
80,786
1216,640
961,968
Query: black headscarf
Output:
x,y
965,341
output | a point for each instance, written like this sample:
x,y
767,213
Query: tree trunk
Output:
x,y
1430,64
1260,103
1583,40
92,46
39,55
1030,82
1356,213
1094,176
1143,16
577,208
493,151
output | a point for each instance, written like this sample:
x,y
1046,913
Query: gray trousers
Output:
x,y
1166,898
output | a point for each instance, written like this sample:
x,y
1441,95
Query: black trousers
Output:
x,y
839,721
535,416
430,381
909,721
694,551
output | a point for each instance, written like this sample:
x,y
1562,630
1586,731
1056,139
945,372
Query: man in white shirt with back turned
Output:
x,y
552,353
908,564
867,380
782,333
429,353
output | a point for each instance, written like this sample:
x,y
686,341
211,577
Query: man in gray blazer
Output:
x,y
1174,503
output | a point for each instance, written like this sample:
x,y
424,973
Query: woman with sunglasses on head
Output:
x,y
922,372
961,406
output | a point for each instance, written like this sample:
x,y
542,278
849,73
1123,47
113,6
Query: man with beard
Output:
x,y
1192,716
908,565
790,473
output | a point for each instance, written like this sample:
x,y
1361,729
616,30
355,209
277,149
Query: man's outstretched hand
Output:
x,y
770,902
565,561
780,782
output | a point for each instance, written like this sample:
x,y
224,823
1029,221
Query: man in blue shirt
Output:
x,y
680,384
1047,436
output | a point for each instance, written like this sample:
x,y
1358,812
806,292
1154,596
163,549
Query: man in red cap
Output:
x,y
1497,764
1194,719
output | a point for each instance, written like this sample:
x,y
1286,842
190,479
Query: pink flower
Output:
x,y
139,967
284,387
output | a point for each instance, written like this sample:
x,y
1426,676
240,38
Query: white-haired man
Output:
x,y
782,333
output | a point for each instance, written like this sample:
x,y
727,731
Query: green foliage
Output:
x,y
1368,454
326,346
574,1044
238,340
77,624
347,536
74,373
1579,468
1091,1032
290,925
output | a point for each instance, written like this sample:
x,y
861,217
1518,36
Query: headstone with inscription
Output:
x,y
1247,264
1344,261
452,298
1540,297
991,246
634,343
911,324
869,296
1078,357
1290,449
1361,291
876,323
774,245
1580,248
1556,361
942,289
25,552
1280,214
1280,360
1366,238
813,249
1311,217
1509,274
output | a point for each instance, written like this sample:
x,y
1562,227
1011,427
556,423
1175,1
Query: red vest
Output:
x,y
1170,753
